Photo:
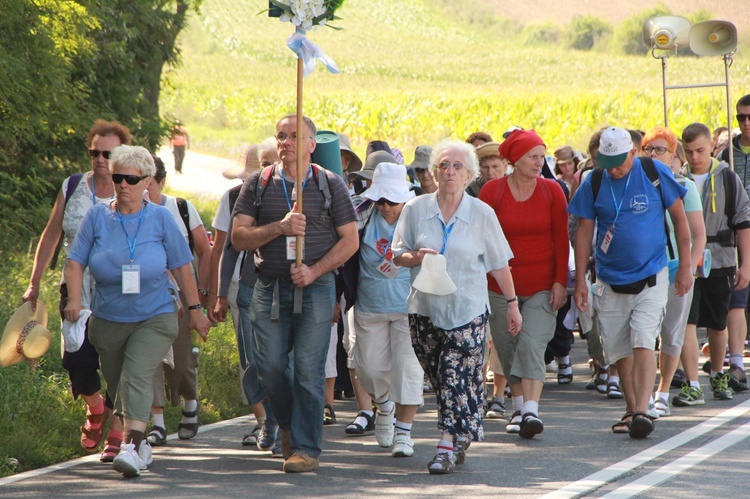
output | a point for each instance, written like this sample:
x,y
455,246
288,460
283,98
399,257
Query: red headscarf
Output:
x,y
519,143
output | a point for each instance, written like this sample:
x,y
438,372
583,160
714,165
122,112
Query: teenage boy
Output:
x,y
726,211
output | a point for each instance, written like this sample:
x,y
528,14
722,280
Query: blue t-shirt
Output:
x,y
101,245
376,293
637,248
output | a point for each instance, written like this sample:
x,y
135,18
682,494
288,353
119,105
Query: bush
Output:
x,y
545,33
585,31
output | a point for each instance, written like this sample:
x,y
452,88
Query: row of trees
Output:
x,y
64,64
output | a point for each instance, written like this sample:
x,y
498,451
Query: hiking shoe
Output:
x,y
496,409
689,396
514,425
678,379
267,436
737,378
720,386
402,446
384,427
301,463
662,408
442,464
530,425
128,462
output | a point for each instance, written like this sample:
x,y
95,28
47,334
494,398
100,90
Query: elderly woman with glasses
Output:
x,y
448,320
130,245
532,212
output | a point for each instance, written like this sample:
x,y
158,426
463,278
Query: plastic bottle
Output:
x,y
197,340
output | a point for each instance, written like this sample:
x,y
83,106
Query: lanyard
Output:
x,y
131,245
446,233
163,200
283,184
614,200
93,191
390,240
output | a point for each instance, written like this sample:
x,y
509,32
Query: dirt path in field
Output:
x,y
201,174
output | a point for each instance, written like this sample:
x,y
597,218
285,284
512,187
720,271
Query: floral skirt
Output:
x,y
453,361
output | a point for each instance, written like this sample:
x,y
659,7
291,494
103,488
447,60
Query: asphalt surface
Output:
x,y
696,452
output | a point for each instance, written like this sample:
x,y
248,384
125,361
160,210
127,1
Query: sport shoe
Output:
x,y
402,446
146,454
530,425
441,464
276,449
267,436
301,463
678,379
737,378
128,462
514,425
384,427
496,409
652,413
689,396
720,386
662,408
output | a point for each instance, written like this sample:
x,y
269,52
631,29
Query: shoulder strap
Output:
x,y
653,175
323,187
73,182
261,184
234,194
185,215
596,181
729,195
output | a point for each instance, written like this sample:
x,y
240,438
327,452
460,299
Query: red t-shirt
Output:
x,y
537,231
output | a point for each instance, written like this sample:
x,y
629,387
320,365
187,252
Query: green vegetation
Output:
x,y
586,31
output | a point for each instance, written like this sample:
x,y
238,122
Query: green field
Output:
x,y
412,74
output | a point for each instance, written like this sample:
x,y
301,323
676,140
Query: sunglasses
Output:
x,y
94,153
444,165
657,149
742,117
382,201
117,178
420,170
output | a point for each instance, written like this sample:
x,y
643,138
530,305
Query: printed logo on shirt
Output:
x,y
381,245
639,203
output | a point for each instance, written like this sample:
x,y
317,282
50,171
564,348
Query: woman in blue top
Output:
x,y
130,246
383,356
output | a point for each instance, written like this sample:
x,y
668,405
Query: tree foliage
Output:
x,y
585,31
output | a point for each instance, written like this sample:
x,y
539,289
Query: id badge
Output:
x,y
131,279
291,247
388,269
607,239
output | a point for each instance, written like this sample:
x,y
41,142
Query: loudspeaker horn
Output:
x,y
666,32
713,38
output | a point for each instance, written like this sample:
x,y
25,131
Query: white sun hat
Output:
x,y
433,277
389,182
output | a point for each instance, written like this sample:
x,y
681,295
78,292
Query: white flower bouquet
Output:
x,y
305,14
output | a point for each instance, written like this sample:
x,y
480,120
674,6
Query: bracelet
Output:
x,y
202,292
511,300
197,306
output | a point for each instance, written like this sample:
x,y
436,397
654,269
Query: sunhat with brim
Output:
x,y
389,182
25,336
488,149
355,163
614,146
373,159
421,157
246,165
564,153
433,277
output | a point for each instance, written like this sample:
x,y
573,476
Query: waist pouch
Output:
x,y
634,287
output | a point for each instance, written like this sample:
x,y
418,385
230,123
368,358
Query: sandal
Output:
x,y
111,449
641,426
329,416
442,464
355,428
92,433
564,379
186,431
251,439
157,436
614,391
623,425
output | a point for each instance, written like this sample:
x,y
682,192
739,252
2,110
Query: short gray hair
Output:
x,y
471,162
267,145
132,157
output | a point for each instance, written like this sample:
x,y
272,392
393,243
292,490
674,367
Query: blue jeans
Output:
x,y
251,385
297,395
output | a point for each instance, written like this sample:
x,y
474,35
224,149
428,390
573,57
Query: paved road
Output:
x,y
699,452
201,174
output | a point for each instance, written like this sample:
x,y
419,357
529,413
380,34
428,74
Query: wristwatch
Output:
x,y
202,292
197,306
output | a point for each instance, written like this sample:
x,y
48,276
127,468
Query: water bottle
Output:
x,y
197,341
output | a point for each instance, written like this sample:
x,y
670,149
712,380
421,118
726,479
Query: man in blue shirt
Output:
x,y
630,294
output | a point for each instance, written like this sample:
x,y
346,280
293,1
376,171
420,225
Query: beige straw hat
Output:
x,y
25,336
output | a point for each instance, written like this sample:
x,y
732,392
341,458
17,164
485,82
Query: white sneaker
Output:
x,y
127,461
145,454
402,446
384,427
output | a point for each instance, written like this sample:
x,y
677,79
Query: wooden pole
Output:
x,y
301,169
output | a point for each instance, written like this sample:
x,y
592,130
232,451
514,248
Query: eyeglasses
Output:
x,y
657,149
117,178
444,165
742,117
383,201
94,153
281,137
